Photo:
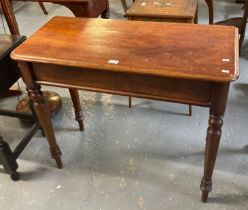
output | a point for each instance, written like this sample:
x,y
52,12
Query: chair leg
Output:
x,y
210,11
43,8
106,13
190,110
8,160
124,5
129,101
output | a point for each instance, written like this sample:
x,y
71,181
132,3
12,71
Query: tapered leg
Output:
x,y
78,112
129,101
217,109
43,8
210,11
212,145
190,110
196,16
124,5
45,121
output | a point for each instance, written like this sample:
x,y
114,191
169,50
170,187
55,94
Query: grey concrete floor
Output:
x,y
147,157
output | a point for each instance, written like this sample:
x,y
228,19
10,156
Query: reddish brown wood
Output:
x,y
154,62
41,110
78,112
158,50
142,85
217,110
10,18
181,11
82,8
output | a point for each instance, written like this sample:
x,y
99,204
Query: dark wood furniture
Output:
x,y
147,60
80,8
43,8
208,2
8,69
9,74
179,11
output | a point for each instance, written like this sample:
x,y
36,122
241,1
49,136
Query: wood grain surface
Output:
x,y
163,8
202,52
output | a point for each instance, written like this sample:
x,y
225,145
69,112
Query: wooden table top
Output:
x,y
202,52
163,8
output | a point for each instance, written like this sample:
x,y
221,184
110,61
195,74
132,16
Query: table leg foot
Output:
x,y
44,118
129,101
206,187
56,154
190,110
15,176
212,145
105,14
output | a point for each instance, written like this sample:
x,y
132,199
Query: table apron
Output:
x,y
128,84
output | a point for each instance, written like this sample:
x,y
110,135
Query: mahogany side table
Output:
x,y
147,60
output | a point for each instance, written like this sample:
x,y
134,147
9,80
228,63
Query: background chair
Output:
x,y
9,74
239,22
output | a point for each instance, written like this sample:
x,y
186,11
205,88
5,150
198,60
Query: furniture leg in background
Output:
x,y
9,74
43,8
83,8
210,11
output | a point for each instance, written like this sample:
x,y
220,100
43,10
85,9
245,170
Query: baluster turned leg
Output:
x,y
43,115
217,109
41,109
78,112
212,145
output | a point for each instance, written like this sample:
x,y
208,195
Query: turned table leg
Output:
x,y
217,109
43,115
78,112
41,110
